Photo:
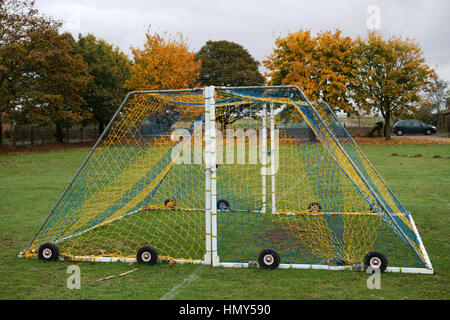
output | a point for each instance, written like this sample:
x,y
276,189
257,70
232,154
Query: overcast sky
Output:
x,y
256,23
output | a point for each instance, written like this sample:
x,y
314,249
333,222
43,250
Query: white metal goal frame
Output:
x,y
212,253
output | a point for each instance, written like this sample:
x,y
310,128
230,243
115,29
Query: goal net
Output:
x,y
215,175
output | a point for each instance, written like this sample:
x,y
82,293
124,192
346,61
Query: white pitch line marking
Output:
x,y
192,277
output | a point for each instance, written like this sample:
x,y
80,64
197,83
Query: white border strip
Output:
x,y
246,265
128,260
326,267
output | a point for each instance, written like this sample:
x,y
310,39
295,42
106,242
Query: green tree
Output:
x,y
425,113
18,19
391,75
435,98
40,76
109,68
226,63
51,80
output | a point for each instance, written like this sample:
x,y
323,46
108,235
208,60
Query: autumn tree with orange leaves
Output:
x,y
163,64
322,65
374,74
392,73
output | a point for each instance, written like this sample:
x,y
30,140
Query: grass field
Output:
x,y
32,183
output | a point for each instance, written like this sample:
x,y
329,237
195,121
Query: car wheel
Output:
x,y
428,132
376,260
147,255
269,259
223,205
399,132
48,252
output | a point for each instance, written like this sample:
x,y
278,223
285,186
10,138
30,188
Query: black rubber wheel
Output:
x,y
172,203
269,259
428,132
376,259
223,205
48,252
399,132
147,255
314,207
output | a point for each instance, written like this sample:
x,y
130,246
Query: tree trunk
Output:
x,y
387,126
448,122
101,127
50,132
1,129
14,138
59,134
32,135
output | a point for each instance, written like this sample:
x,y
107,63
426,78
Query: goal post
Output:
x,y
210,164
230,176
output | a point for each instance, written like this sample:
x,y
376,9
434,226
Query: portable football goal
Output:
x,y
230,176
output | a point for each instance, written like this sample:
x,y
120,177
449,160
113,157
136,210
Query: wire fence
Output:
x,y
18,135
